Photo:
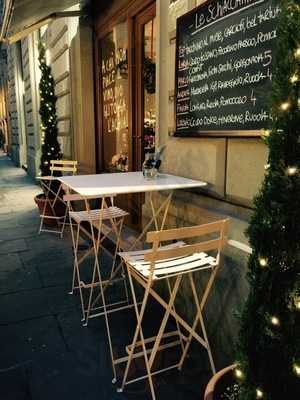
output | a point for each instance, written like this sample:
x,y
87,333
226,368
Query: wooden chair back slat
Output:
x,y
64,162
63,166
182,233
78,197
185,233
183,251
63,169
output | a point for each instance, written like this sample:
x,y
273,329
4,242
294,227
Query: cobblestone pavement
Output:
x,y
45,352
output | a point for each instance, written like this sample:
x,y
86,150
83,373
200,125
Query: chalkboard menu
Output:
x,y
224,55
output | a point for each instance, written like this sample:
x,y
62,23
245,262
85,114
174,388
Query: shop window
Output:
x,y
114,81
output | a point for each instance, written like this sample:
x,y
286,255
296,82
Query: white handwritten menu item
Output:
x,y
224,54
109,108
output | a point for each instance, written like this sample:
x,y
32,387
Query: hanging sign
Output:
x,y
224,55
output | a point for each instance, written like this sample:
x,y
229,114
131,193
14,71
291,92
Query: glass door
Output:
x,y
148,87
145,85
113,49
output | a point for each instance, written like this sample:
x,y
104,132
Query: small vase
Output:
x,y
150,173
149,170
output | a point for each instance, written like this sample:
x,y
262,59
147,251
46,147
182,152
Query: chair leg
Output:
x,y
198,318
164,320
76,266
64,223
96,244
139,332
174,310
118,238
123,274
43,214
202,322
75,249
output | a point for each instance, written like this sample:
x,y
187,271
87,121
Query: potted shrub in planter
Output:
x,y
268,349
49,132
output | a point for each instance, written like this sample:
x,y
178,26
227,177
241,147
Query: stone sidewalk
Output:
x,y
45,352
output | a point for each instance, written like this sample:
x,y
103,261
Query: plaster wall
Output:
x,y
12,106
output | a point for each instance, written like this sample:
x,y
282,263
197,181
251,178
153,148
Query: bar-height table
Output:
x,y
108,185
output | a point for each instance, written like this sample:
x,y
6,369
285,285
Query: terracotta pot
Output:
x,y
59,209
210,388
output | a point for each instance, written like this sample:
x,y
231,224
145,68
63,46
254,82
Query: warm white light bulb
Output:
x,y
294,78
266,132
259,394
267,166
263,262
238,373
297,369
275,320
285,106
297,53
292,171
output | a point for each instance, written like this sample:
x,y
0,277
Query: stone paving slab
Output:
x,y
10,262
18,279
64,376
12,246
23,305
28,340
14,384
8,232
55,273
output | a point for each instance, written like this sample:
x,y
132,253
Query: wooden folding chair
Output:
x,y
57,168
172,263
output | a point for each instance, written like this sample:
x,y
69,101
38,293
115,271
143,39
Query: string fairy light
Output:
x,y
294,78
296,368
275,321
292,170
238,373
285,106
263,262
297,53
265,133
267,166
259,394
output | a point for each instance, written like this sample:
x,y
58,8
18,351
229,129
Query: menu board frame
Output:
x,y
203,133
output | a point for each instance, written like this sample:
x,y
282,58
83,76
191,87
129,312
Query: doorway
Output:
x,y
125,89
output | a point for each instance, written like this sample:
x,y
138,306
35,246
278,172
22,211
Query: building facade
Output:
x,y
69,51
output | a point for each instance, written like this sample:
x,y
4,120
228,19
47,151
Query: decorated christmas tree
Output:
x,y
49,131
269,339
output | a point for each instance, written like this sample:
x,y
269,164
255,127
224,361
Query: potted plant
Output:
x,y
49,133
268,348
222,385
